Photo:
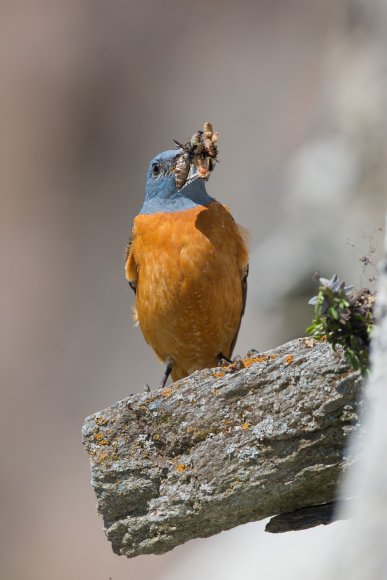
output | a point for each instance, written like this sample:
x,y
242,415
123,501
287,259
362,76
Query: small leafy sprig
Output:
x,y
344,316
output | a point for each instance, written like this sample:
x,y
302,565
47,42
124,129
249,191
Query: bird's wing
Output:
x,y
244,296
243,263
130,264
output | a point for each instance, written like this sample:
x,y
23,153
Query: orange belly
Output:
x,y
189,294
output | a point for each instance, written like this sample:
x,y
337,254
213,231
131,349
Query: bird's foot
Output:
x,y
237,364
167,372
231,366
224,361
252,352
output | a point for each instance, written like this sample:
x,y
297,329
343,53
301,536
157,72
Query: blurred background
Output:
x,y
90,91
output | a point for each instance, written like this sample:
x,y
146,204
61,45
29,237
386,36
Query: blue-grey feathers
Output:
x,y
161,193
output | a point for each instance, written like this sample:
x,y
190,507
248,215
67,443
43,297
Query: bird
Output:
x,y
187,263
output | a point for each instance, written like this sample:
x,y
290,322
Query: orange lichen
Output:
x,y
100,421
167,392
288,359
228,422
181,467
218,374
245,426
99,438
247,362
99,453
104,456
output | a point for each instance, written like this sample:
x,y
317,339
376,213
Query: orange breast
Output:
x,y
188,267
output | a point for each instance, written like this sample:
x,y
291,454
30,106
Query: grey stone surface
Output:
x,y
219,448
304,518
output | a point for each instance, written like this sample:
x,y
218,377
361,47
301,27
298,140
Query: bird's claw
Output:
x,y
252,352
231,366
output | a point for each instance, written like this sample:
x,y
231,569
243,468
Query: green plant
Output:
x,y
344,317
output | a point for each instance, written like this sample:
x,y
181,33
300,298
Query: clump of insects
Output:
x,y
201,151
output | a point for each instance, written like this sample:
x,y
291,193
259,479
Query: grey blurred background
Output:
x,y
89,92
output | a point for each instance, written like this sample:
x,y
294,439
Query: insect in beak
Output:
x,y
198,157
188,170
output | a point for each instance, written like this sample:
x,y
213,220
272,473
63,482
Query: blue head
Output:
x,y
162,193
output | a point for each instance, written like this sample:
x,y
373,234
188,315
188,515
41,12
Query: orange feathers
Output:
x,y
189,269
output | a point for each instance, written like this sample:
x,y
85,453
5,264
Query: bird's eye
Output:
x,y
155,168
